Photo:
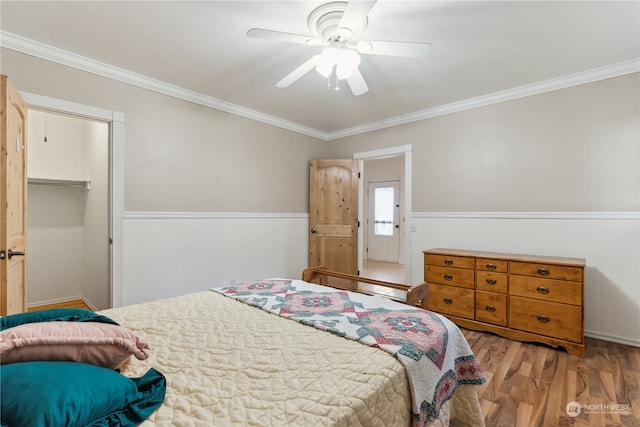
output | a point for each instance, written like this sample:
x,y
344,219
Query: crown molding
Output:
x,y
69,59
576,79
53,54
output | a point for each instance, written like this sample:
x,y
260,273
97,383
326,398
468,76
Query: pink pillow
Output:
x,y
95,343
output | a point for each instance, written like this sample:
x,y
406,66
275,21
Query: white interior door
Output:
x,y
384,221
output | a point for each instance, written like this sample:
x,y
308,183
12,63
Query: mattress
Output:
x,y
230,364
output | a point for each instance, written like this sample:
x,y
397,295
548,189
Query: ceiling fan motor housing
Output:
x,y
324,23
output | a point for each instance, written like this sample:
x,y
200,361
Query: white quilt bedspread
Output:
x,y
229,364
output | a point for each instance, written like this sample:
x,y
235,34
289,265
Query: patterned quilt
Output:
x,y
433,351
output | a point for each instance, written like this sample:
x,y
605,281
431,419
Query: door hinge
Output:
x,y
358,224
358,175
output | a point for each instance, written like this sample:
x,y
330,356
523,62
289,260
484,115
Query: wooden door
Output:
x,y
333,215
13,200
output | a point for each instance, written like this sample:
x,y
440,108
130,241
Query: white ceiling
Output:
x,y
479,49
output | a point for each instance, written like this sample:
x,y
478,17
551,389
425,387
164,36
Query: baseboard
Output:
x,y
62,300
612,338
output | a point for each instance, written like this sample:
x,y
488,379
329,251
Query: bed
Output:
x,y
283,352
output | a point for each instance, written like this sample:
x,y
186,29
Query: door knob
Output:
x,y
313,230
11,254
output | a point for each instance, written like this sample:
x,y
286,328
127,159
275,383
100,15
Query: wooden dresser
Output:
x,y
520,297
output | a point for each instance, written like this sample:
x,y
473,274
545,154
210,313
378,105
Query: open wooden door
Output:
x,y
13,200
333,215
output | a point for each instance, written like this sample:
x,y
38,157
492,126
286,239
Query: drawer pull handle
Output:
x,y
492,281
448,277
542,290
543,272
491,267
448,301
448,261
543,319
490,308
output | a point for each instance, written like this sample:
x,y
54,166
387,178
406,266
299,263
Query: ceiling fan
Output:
x,y
336,27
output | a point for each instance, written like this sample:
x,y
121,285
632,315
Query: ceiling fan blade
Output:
x,y
298,72
357,84
406,49
259,33
354,16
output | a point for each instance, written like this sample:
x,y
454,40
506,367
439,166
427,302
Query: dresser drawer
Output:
x,y
491,308
449,276
491,282
451,300
546,289
495,265
546,318
449,261
549,271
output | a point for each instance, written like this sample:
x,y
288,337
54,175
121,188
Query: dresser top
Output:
x,y
579,262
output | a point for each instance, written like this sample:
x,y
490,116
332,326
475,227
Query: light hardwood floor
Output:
x,y
386,271
531,385
78,303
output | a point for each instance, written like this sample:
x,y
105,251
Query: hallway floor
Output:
x,y
386,271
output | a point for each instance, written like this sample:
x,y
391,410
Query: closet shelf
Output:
x,y
85,185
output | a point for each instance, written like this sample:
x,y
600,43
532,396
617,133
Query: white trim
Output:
x,y
384,152
612,338
53,54
576,79
532,215
80,110
404,150
116,121
211,215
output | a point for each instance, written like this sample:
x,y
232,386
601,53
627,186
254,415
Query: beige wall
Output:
x,y
183,157
571,150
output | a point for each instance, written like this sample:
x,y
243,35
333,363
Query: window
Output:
x,y
383,211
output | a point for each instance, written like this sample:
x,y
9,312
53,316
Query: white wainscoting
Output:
x,y
609,242
168,254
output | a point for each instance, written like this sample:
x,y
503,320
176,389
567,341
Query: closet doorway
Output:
x,y
69,208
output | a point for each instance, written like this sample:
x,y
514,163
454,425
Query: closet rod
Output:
x,y
86,185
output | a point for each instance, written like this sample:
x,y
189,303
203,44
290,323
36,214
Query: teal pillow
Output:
x,y
76,395
53,315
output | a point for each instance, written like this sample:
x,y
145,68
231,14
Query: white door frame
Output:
x,y
404,150
116,173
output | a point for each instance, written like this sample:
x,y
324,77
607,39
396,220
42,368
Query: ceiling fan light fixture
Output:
x,y
326,61
348,61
